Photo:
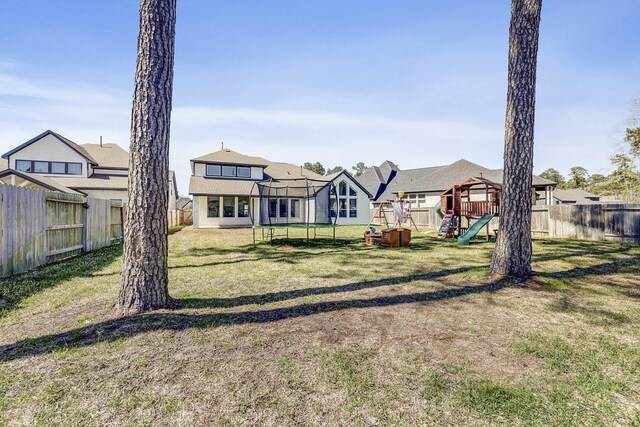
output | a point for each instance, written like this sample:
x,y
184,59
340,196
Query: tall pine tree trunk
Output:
x,y
144,274
512,254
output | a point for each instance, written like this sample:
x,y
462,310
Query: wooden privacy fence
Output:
x,y
180,217
618,222
38,227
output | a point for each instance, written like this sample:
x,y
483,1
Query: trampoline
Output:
x,y
304,203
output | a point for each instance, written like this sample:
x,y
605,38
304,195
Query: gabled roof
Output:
x,y
376,178
75,147
184,202
336,175
437,179
108,155
39,180
227,156
4,164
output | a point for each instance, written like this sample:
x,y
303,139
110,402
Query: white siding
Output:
x,y
362,203
51,149
107,194
201,220
107,171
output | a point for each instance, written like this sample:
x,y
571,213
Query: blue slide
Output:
x,y
475,228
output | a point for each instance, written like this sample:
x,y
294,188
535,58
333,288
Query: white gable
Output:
x,y
51,149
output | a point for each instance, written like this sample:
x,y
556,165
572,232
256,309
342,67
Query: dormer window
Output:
x,y
58,168
228,171
214,170
244,172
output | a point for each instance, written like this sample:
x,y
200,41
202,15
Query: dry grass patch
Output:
x,y
328,333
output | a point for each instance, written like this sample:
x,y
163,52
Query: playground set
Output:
x,y
400,234
468,207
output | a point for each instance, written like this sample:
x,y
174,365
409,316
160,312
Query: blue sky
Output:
x,y
420,83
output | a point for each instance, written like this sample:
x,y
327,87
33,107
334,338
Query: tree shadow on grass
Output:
x,y
15,289
554,249
112,330
174,321
299,293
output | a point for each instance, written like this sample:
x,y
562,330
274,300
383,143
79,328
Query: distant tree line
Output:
x,y
622,182
317,167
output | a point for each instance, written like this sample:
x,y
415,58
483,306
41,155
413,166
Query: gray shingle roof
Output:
x,y
184,203
440,178
278,170
575,195
95,182
4,164
227,156
108,155
39,180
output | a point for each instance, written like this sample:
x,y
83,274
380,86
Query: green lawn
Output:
x,y
328,333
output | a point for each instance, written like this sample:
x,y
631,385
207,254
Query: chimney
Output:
x,y
100,140
222,143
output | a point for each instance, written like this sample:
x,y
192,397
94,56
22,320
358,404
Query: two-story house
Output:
x,y
225,186
52,162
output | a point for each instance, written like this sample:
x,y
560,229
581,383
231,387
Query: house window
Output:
x,y
213,207
283,208
23,165
41,167
273,207
74,168
243,207
244,172
333,209
58,167
228,207
352,192
213,170
228,171
353,208
422,200
342,204
295,208
342,188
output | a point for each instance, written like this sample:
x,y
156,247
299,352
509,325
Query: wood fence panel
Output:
x,y
23,229
98,220
65,225
38,227
117,222
622,222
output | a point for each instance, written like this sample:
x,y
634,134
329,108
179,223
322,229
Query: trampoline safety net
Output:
x,y
300,202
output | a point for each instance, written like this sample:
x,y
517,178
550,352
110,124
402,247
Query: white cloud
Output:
x,y
567,136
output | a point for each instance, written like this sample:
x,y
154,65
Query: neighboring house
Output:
x,y
423,186
574,196
224,189
184,203
52,162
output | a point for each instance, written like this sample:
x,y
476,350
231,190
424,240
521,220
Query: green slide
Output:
x,y
438,210
475,228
